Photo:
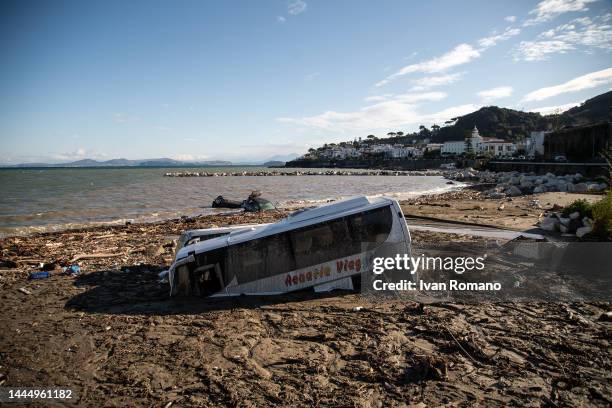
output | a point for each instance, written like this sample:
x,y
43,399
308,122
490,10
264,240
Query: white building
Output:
x,y
340,153
535,143
454,147
479,145
498,148
400,151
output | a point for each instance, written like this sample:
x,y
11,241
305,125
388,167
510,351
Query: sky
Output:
x,y
248,80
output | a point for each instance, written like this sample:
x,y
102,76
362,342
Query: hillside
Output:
x,y
494,121
511,124
592,110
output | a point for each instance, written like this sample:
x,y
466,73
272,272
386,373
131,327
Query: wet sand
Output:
x,y
113,335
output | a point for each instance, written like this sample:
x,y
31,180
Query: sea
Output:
x,y
53,199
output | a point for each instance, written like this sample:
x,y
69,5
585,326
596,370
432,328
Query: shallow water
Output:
x,y
36,200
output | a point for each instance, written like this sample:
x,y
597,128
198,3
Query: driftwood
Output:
x,y
93,256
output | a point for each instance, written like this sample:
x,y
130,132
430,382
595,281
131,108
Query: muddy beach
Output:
x,y
114,336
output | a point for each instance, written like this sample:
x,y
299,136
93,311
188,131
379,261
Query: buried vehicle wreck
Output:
x,y
322,248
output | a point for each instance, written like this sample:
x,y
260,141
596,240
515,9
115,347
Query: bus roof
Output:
x,y
298,219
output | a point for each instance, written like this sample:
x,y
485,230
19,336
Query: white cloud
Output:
x,y
377,98
296,7
189,157
401,110
78,154
495,93
311,76
425,83
539,50
461,54
547,110
510,19
125,118
281,19
588,81
492,40
548,9
581,33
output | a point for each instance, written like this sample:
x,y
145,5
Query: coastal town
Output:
x,y
538,145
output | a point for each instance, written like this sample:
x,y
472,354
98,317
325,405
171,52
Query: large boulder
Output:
x,y
582,231
539,189
580,188
513,191
549,224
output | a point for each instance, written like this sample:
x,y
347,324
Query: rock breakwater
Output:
x,y
308,173
512,184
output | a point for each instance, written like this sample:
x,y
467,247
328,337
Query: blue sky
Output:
x,y
246,80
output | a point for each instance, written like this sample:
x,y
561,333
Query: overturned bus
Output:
x,y
321,248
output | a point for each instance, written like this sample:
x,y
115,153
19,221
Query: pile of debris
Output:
x,y
512,184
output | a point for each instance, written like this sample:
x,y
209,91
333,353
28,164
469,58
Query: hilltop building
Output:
x,y
479,145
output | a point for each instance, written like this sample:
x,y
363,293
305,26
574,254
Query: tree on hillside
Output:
x,y
372,137
400,134
391,134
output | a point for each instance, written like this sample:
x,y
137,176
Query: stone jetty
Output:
x,y
308,173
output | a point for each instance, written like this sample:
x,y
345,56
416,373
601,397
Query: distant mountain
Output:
x,y
282,158
162,162
509,123
274,163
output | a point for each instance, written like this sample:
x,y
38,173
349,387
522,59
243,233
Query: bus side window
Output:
x,y
279,257
246,261
371,228
312,245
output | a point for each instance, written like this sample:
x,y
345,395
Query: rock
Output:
x,y
549,224
501,207
581,188
582,231
513,191
587,222
526,184
514,180
539,189
596,187
495,195
564,229
574,215
574,224
571,187
564,221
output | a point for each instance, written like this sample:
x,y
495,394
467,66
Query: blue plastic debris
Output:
x,y
39,275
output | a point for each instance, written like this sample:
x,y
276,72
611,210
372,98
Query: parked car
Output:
x,y
560,158
521,157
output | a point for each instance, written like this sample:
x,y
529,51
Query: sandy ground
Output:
x,y
517,213
113,335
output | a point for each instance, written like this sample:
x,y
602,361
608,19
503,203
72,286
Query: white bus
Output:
x,y
318,248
